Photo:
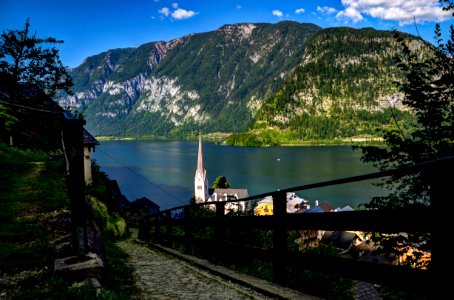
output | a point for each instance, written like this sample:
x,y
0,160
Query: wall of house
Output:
x,y
87,165
264,209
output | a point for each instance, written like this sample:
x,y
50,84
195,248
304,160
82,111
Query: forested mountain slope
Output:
x,y
300,81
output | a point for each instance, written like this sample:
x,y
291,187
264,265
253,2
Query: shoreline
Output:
x,y
375,141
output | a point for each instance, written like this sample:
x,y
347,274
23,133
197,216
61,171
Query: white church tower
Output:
x,y
200,180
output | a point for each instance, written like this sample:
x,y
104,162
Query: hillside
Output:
x,y
298,80
342,89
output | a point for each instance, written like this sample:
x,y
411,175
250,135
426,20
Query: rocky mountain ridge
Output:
x,y
228,79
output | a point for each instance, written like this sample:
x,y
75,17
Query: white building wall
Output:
x,y
87,166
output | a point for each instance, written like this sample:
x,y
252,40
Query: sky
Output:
x,y
89,27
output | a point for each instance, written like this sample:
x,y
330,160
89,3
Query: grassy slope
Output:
x,y
34,195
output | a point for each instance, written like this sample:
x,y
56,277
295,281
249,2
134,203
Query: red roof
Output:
x,y
326,207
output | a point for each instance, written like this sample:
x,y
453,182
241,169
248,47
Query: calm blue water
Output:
x,y
164,170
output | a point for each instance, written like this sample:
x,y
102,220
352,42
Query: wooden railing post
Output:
x,y
157,228
442,204
144,228
187,230
279,237
220,230
168,227
74,145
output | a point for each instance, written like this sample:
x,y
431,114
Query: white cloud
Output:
x,y
278,13
177,13
164,11
299,11
326,10
403,11
351,14
238,6
181,14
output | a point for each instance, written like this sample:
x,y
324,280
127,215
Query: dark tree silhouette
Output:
x,y
428,89
31,60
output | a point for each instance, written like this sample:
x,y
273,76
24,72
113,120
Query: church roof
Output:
x,y
89,140
241,193
326,207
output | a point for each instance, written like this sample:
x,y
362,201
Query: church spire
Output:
x,y
200,158
200,179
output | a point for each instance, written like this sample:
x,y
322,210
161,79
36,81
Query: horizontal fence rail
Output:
x,y
435,219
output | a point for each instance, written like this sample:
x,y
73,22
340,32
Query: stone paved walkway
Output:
x,y
160,276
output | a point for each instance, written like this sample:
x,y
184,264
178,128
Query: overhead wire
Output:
x,y
105,153
30,108
143,177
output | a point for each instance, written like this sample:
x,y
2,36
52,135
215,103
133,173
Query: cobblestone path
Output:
x,y
160,276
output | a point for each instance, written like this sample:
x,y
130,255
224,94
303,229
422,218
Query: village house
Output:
x,y
140,208
119,201
294,203
312,238
216,195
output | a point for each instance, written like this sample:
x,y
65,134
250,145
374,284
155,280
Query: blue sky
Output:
x,y
91,27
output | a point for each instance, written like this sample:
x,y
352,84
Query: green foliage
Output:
x,y
263,138
113,225
6,121
428,87
32,60
100,199
220,183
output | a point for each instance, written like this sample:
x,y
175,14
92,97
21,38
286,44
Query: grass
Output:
x,y
33,193
32,187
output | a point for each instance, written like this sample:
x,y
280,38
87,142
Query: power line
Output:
x,y
143,177
108,155
31,108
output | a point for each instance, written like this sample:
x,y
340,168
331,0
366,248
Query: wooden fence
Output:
x,y
436,220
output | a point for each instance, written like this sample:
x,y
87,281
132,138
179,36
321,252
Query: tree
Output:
x,y
32,60
428,89
221,183
6,122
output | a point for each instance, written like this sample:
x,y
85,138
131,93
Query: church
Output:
x,y
204,194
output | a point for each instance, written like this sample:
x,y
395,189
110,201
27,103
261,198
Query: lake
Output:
x,y
164,171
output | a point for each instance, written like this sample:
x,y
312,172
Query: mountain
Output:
x,y
209,81
290,80
343,89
